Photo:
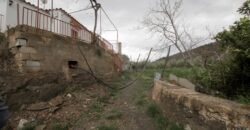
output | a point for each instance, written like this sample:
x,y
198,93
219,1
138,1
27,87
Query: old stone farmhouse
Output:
x,y
52,40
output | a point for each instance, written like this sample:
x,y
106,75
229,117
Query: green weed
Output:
x,y
96,107
59,126
114,115
28,128
243,99
105,127
161,122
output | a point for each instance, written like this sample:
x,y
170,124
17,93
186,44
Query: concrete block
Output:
x,y
27,50
33,65
186,83
157,76
21,42
172,77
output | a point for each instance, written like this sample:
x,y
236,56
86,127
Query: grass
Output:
x,y
243,100
184,72
96,107
155,113
114,114
105,127
2,37
152,109
160,120
141,100
59,126
28,128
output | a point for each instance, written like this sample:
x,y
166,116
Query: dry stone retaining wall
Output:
x,y
199,111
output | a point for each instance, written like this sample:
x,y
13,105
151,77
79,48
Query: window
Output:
x,y
74,34
73,64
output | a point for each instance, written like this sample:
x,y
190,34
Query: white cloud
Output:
x,y
127,14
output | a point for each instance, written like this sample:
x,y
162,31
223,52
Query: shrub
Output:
x,y
232,74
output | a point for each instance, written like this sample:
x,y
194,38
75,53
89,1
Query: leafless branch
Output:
x,y
162,20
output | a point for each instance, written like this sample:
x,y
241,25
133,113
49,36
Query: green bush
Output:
x,y
231,76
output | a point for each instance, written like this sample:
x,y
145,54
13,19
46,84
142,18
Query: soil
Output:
x,y
47,101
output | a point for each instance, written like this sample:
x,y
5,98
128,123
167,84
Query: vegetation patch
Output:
x,y
114,114
2,37
97,107
243,99
28,127
59,126
160,120
99,52
105,127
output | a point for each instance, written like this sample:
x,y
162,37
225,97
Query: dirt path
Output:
x,y
87,107
121,112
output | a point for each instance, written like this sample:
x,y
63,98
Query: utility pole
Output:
x,y
96,6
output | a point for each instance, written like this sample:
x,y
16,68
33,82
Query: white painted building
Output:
x,y
20,12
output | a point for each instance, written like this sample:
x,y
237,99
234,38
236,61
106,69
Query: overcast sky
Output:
x,y
127,15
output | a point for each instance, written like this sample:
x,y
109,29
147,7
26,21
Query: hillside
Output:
x,y
201,55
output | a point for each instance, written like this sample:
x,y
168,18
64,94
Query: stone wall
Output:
x,y
36,50
198,111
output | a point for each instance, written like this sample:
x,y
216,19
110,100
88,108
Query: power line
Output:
x,y
85,9
99,81
80,10
105,13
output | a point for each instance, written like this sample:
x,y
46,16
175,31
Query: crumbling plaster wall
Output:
x,y
199,111
49,52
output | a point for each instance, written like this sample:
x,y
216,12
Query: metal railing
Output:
x,y
106,45
1,22
44,21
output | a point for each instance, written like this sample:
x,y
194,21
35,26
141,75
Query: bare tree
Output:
x,y
164,20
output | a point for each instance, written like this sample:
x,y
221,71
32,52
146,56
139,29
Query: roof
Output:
x,y
32,5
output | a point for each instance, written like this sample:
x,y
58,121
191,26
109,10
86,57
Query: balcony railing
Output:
x,y
44,21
